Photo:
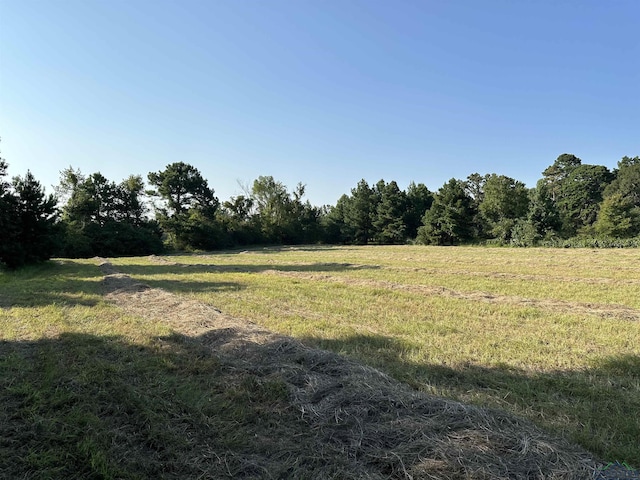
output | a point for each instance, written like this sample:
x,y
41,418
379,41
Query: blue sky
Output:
x,y
322,92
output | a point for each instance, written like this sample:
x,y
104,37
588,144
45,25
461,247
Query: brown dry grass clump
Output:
x,y
360,423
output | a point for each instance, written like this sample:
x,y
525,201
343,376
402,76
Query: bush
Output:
x,y
524,234
110,240
594,242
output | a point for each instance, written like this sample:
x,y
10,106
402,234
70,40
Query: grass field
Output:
x,y
553,335
90,392
549,335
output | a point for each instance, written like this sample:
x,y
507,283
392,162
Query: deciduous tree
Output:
x,y
618,217
543,213
580,196
619,214
627,180
504,201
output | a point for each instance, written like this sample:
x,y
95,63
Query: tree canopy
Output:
x,y
93,215
27,220
449,220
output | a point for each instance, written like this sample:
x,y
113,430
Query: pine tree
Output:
x,y
449,220
27,221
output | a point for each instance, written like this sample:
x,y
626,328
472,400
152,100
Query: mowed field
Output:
x,y
549,335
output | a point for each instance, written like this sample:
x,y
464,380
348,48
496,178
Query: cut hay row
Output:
x,y
359,422
605,311
500,328
602,310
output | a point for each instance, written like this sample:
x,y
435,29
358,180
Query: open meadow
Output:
x,y
550,336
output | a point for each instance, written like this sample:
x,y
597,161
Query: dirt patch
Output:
x,y
377,427
605,311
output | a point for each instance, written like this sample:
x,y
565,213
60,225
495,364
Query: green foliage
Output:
x,y
619,214
593,242
335,224
504,201
28,232
188,217
618,217
555,175
274,208
282,217
100,217
524,234
474,187
575,191
419,200
504,197
8,212
543,213
36,216
374,214
240,225
627,180
182,187
307,217
580,196
449,220
103,218
389,223
95,199
360,212
381,214
628,162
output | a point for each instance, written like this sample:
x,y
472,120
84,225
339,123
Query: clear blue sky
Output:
x,y
323,92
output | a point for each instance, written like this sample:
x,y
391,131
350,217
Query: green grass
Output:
x,y
88,392
556,360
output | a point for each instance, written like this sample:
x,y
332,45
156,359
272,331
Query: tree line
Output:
x,y
176,209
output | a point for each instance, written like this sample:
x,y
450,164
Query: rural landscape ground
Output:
x,y
323,362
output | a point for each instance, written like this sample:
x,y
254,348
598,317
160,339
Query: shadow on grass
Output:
x,y
596,407
71,283
177,268
61,282
172,273
190,286
88,407
271,249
